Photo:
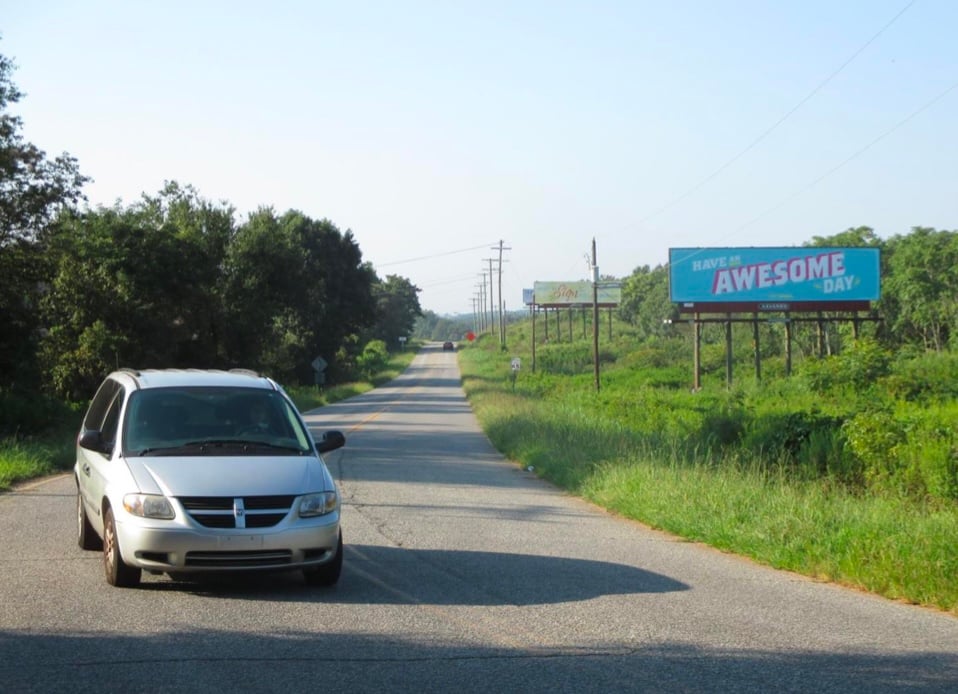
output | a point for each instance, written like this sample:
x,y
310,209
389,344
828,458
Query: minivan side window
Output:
x,y
96,413
111,422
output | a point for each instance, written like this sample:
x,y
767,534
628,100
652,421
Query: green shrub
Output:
x,y
373,358
913,451
858,368
649,357
825,453
564,358
929,455
798,438
723,429
26,414
875,438
933,375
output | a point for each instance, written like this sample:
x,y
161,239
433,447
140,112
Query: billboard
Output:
x,y
576,293
774,276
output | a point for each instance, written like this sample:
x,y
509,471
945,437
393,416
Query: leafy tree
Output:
x,y
262,271
32,187
294,289
133,287
336,299
202,230
397,308
32,190
24,272
853,237
921,288
645,300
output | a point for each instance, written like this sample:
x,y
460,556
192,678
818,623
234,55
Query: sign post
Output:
x,y
319,367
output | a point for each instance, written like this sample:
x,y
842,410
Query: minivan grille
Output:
x,y
237,512
239,560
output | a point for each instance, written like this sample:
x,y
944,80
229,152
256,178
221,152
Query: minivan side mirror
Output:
x,y
330,441
92,439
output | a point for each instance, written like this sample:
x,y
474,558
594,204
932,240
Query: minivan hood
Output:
x,y
229,476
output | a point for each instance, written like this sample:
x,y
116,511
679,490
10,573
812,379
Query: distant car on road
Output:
x,y
447,346
182,471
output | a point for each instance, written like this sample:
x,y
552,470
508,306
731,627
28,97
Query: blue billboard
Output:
x,y
791,275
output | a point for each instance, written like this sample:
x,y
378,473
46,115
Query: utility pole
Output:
x,y
595,316
492,310
482,308
502,325
474,314
480,290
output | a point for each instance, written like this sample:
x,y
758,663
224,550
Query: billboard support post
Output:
x,y
788,345
533,309
697,356
758,351
728,351
821,335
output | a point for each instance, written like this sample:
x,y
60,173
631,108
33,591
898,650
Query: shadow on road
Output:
x,y
233,660
382,575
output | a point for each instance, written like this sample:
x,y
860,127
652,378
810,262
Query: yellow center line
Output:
x,y
375,415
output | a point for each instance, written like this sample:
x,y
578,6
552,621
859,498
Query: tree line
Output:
x,y
173,280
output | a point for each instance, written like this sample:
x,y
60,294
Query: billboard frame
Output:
x,y
759,266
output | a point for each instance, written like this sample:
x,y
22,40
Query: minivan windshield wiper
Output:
x,y
162,450
241,443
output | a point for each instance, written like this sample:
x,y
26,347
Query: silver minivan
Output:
x,y
182,470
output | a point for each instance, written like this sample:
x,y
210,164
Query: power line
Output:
x,y
853,156
777,123
430,257
911,116
454,280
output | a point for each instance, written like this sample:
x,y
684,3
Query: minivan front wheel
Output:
x,y
118,572
86,535
327,574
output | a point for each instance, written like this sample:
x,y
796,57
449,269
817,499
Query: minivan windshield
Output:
x,y
212,420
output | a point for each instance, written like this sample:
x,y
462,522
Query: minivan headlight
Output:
x,y
318,504
149,506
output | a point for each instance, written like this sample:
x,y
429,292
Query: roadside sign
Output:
x,y
319,364
516,363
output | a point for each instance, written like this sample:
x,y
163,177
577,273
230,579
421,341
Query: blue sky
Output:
x,y
433,130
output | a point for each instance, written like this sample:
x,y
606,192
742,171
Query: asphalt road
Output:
x,y
463,573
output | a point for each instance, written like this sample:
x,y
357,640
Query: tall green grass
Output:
x,y
762,471
37,455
